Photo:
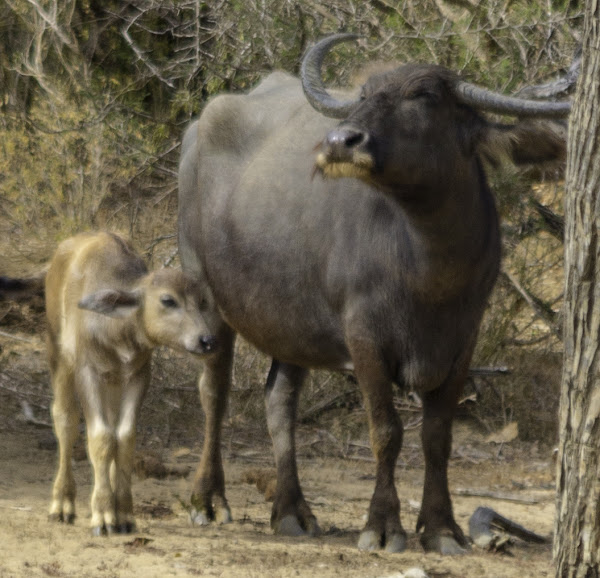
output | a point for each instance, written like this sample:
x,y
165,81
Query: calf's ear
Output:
x,y
527,142
111,302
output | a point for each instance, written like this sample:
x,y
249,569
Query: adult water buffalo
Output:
x,y
382,263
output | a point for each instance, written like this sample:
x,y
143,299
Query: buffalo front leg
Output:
x,y
383,528
208,492
440,531
65,417
291,515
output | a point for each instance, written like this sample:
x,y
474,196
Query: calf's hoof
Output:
x,y
291,526
126,528
370,540
62,518
104,530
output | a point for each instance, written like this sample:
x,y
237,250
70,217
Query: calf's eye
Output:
x,y
168,301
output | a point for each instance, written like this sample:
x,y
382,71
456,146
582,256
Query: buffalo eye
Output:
x,y
428,96
168,301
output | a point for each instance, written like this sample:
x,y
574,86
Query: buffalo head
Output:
x,y
413,126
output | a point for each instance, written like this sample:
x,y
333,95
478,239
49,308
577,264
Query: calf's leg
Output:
x,y
291,514
100,419
65,417
208,492
122,467
102,449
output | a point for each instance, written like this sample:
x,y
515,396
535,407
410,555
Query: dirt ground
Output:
x,y
337,477
338,489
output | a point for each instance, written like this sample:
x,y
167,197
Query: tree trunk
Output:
x,y
577,527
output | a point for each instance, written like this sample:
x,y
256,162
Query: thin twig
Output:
x,y
15,337
494,495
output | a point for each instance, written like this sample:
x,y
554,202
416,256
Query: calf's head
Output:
x,y
171,309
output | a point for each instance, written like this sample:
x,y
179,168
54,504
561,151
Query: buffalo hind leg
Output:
x,y
291,515
383,528
441,533
208,492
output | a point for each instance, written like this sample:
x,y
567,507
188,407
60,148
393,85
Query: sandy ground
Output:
x,y
338,491
337,488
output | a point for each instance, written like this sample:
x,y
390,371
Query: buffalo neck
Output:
x,y
453,237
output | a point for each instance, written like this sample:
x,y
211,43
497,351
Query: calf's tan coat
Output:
x,y
106,313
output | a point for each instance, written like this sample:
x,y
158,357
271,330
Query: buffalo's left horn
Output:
x,y
312,83
487,100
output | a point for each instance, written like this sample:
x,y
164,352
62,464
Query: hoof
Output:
x,y
104,530
199,518
445,545
369,541
126,528
312,528
395,543
98,531
69,519
289,526
202,518
111,529
223,516
61,518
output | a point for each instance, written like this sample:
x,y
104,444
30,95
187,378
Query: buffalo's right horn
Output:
x,y
312,83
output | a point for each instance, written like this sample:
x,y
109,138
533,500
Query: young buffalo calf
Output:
x,y
106,313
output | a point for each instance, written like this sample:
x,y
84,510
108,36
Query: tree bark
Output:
x,y
577,526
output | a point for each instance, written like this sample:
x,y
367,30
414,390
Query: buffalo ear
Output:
x,y
111,302
527,142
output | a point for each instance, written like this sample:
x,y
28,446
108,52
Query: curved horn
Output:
x,y
487,100
481,98
310,74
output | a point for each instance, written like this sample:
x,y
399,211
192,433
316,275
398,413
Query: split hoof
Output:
x,y
370,540
445,545
289,526
104,530
203,518
199,518
126,528
61,518
395,543
223,516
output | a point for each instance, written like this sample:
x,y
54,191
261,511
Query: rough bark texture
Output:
x,y
577,531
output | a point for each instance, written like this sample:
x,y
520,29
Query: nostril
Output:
x,y
355,139
345,138
208,343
